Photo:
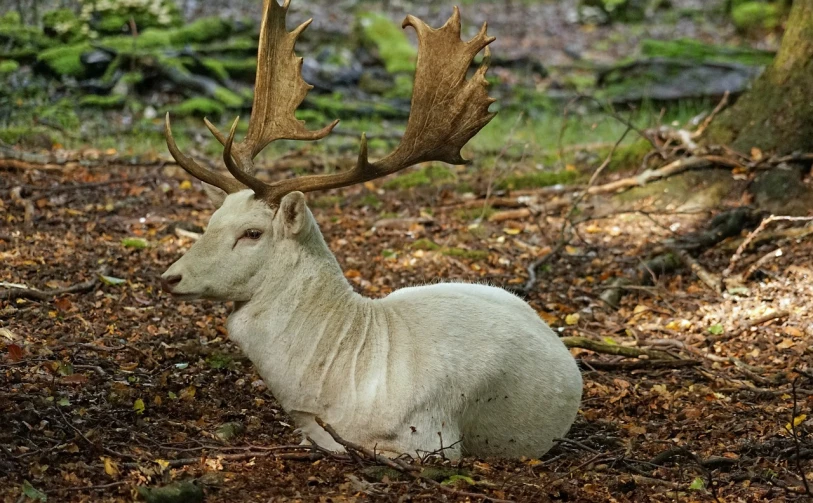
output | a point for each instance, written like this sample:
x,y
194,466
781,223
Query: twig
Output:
x,y
242,456
708,279
759,263
740,249
707,121
796,441
640,364
401,466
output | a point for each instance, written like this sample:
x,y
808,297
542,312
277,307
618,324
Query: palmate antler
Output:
x,y
447,110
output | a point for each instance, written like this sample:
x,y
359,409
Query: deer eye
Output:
x,y
253,234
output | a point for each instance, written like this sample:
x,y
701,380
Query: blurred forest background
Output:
x,y
104,72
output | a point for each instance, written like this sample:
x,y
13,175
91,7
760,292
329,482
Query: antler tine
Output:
x,y
258,186
447,110
279,89
223,182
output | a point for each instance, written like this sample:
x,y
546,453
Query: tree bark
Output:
x,y
776,114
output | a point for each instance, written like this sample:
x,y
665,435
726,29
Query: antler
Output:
x,y
447,110
279,89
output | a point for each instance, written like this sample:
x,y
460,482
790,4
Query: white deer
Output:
x,y
469,366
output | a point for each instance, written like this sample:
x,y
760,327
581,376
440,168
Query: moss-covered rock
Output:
x,y
756,16
379,33
199,107
241,69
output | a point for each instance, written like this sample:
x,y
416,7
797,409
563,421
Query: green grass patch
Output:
x,y
537,179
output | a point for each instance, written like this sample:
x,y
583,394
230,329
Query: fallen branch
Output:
x,y
15,291
614,349
640,364
400,466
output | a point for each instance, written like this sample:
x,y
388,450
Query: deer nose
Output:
x,y
170,281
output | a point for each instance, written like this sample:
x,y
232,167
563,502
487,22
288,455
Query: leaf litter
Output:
x,y
120,387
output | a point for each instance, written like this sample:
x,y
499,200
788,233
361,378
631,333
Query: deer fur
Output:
x,y
462,365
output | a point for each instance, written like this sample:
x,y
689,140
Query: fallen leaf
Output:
x,y
138,406
572,319
15,352
32,492
111,468
786,344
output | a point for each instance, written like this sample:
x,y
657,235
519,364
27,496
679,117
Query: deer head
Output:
x,y
261,223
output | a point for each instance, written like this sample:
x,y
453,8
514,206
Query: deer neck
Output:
x,y
296,323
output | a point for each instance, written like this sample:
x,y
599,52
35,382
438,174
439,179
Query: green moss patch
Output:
x,y
65,60
202,30
750,16
389,40
8,66
423,177
199,107
103,102
685,48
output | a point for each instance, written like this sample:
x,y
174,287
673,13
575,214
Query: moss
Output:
x,y
423,177
202,30
127,44
11,18
8,66
380,32
402,88
62,24
199,107
215,68
467,254
103,102
61,113
243,69
65,60
750,16
370,200
228,98
694,50
26,135
425,244
537,179
629,155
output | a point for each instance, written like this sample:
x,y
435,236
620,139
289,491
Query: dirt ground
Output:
x,y
120,386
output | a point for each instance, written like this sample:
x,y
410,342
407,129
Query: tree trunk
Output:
x,y
776,114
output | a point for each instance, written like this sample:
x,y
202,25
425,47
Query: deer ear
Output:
x,y
292,213
216,195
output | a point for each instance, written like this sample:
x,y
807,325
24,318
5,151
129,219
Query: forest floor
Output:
x,y
119,385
